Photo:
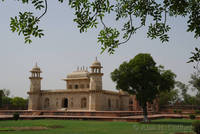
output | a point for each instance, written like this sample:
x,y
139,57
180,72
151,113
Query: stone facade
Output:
x,y
83,92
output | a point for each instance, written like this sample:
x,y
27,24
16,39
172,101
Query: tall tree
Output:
x,y
195,81
6,92
141,77
152,14
1,98
4,97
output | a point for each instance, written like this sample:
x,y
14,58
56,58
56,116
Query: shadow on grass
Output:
x,y
55,126
171,123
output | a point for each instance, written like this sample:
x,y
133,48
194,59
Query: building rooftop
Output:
x,y
78,74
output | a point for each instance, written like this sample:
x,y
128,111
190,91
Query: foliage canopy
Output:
x,y
152,14
141,77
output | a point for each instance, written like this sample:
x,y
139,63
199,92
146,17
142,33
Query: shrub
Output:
x,y
197,111
175,111
196,127
192,116
16,116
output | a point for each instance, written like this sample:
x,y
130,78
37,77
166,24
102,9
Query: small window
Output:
x,y
76,86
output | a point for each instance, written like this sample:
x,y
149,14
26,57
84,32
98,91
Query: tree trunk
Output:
x,y
144,107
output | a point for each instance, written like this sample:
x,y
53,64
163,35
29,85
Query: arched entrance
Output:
x,y
46,103
83,102
109,104
65,103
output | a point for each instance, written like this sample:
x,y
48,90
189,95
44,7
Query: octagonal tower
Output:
x,y
35,88
96,76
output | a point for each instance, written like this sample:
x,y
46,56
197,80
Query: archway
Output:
x,y
83,102
109,104
46,103
65,103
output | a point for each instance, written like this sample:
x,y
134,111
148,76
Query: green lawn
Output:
x,y
161,126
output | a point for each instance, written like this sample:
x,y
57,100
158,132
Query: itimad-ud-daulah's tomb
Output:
x,y
83,92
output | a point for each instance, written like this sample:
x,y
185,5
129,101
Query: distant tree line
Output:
x,y
12,103
181,94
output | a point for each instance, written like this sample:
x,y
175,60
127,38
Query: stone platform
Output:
x,y
136,118
130,116
74,113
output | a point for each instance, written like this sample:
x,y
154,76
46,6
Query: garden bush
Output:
x,y
192,116
175,111
16,116
197,111
196,127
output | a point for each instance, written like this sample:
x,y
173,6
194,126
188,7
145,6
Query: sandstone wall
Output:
x,y
56,101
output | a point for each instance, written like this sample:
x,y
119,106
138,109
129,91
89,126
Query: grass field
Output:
x,y
161,126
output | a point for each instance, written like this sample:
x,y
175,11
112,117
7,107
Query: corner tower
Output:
x,y
35,88
35,79
96,76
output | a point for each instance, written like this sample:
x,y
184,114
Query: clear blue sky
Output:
x,y
63,49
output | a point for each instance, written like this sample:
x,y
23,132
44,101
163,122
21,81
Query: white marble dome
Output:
x,y
96,63
79,74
